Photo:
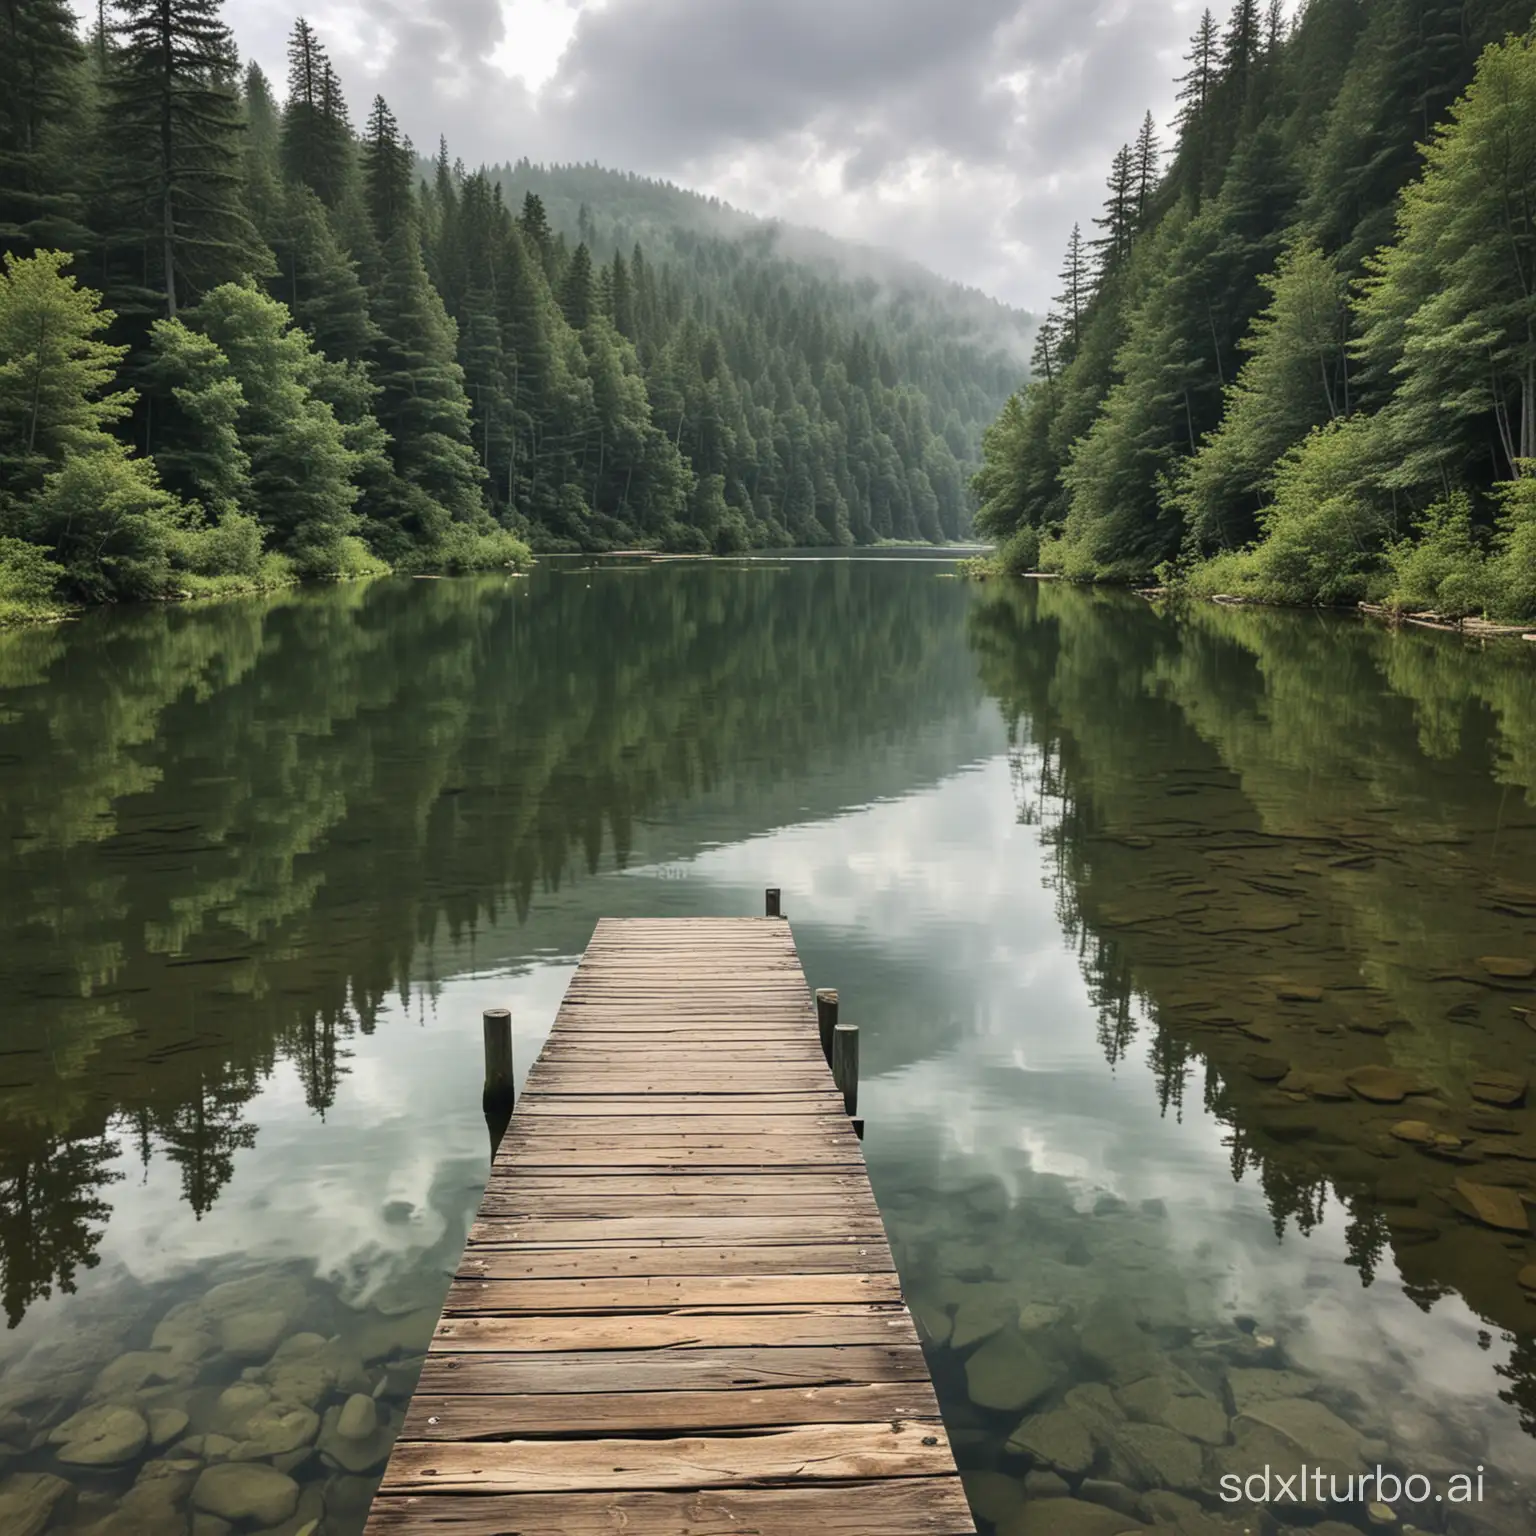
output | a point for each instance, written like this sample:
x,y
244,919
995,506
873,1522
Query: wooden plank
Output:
x,y
745,1184
520,1200
776,1327
629,1413
484,1260
668,1370
904,1506
643,1293
804,1453
709,1231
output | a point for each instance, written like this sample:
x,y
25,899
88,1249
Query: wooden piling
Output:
x,y
500,1091
845,1064
771,902
826,1018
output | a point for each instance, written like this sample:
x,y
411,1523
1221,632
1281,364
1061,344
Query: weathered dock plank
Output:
x,y
677,1313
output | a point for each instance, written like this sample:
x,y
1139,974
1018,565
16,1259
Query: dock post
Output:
x,y
826,1018
497,1098
845,1064
771,902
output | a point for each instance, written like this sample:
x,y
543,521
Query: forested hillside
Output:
x,y
1299,361
243,339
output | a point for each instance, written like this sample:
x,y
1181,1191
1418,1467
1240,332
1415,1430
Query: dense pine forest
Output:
x,y
1298,362
246,339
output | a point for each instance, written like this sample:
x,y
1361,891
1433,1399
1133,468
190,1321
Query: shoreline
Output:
x,y
1477,628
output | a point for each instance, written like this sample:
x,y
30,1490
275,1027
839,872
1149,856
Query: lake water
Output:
x,y
1192,954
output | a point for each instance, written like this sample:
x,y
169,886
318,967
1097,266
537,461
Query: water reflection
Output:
x,y
1125,902
264,861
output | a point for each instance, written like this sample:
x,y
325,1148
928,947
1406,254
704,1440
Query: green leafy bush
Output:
x,y
28,582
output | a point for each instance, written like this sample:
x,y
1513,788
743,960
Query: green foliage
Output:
x,y
1295,378
108,523
197,402
1515,558
1448,314
54,372
445,375
301,468
1150,448
1324,532
29,582
42,83
230,547
179,221
1444,567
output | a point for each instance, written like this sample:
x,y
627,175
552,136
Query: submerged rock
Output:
x,y
1250,1386
992,1495
137,1370
103,1436
354,1438
1508,967
1178,1404
1494,1206
245,1490
1059,1439
166,1425
29,1500
1314,1431
1068,1517
1008,1373
1115,1345
1382,1085
1504,1089
1160,1457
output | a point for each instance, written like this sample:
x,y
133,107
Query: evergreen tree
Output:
x,y
316,136
199,403
576,290
422,404
1119,218
56,399
41,79
174,126
1146,159
301,470
386,174
1075,295
1196,88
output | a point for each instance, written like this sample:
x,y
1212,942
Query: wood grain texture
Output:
x,y
907,1506
677,1312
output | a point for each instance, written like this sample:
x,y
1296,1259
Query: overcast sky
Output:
x,y
965,134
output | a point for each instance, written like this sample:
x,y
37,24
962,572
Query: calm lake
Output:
x,y
1192,954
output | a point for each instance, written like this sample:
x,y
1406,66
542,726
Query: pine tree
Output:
x,y
301,474
422,404
198,405
1077,292
387,163
175,122
576,290
317,136
56,400
1146,160
40,84
533,222
1118,221
1194,97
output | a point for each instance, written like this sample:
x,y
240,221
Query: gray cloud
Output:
x,y
965,134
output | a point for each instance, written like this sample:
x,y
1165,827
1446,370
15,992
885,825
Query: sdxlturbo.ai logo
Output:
x,y
1317,1485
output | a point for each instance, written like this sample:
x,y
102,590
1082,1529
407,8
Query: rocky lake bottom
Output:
x,y
256,1404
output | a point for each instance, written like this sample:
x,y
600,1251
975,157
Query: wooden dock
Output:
x,y
677,1314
